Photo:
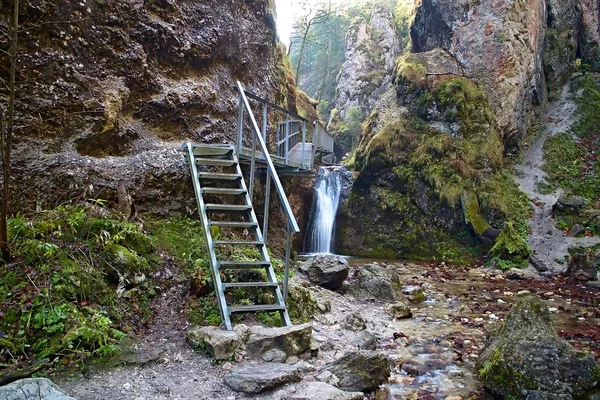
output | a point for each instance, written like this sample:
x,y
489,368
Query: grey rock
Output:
x,y
580,269
376,283
399,310
326,270
274,355
322,391
525,355
537,264
355,322
219,343
33,389
576,230
365,340
255,379
413,293
360,370
292,340
569,205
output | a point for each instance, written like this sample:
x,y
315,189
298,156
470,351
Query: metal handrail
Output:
x,y
256,97
267,157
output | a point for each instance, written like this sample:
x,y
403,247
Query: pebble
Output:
x,y
493,316
509,294
478,319
454,398
523,292
553,309
501,301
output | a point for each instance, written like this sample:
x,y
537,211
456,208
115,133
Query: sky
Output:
x,y
287,10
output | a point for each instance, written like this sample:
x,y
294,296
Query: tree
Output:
x,y
7,118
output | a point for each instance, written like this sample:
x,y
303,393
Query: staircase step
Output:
x,y
216,190
250,285
239,243
260,307
215,161
218,176
224,208
243,264
233,224
212,150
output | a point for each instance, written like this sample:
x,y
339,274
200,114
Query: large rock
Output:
x,y
33,389
321,391
580,269
360,371
219,343
376,283
292,340
399,310
569,204
326,270
254,379
524,358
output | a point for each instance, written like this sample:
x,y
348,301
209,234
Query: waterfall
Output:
x,y
325,204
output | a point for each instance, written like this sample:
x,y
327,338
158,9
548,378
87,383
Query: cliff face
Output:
x,y
111,89
465,96
366,76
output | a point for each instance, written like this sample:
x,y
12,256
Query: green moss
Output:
x,y
473,213
511,249
410,68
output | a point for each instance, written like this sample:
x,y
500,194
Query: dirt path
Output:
x,y
548,242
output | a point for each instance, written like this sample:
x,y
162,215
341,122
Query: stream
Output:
x,y
548,243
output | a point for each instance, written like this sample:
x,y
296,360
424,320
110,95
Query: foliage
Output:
x,y
511,249
347,133
61,298
588,107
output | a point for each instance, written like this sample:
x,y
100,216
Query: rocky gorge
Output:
x,y
469,134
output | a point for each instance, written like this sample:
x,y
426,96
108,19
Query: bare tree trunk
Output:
x,y
6,138
325,73
302,47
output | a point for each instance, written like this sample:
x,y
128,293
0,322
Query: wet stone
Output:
x,y
365,340
253,379
355,322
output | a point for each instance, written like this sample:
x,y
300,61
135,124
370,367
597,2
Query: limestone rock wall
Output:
x,y
111,88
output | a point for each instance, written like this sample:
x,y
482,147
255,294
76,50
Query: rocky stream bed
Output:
x,y
432,354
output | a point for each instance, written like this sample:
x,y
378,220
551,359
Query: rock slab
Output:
x,y
292,340
322,391
377,283
326,270
219,343
524,358
33,389
360,371
253,379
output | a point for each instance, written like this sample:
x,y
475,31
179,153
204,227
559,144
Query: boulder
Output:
x,y
524,358
537,264
365,340
376,283
399,310
326,270
255,379
569,205
580,269
355,322
413,293
360,370
219,343
33,389
322,391
292,340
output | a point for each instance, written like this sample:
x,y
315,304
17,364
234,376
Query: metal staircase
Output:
x,y
217,174
234,212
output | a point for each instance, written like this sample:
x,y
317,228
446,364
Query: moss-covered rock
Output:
x,y
511,249
524,358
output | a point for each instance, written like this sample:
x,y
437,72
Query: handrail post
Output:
x,y
287,137
288,250
265,122
240,123
252,167
267,201
303,144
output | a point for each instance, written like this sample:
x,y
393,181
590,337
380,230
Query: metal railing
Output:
x,y
259,136
288,135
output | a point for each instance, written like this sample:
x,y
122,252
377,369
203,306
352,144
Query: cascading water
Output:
x,y
325,204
